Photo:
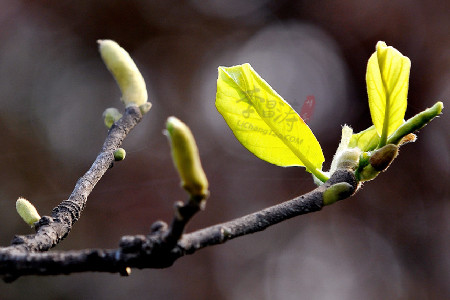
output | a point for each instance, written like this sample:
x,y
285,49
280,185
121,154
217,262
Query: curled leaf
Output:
x,y
387,80
343,145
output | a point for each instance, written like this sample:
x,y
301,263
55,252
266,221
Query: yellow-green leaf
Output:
x,y
366,140
387,80
263,122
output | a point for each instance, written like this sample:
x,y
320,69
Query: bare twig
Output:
x,y
183,214
151,251
51,230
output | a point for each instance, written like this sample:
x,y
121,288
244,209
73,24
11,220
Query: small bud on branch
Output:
x,y
27,211
124,70
186,157
119,154
111,115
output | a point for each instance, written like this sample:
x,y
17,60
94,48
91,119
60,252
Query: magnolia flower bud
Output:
x,y
124,70
27,211
347,132
382,158
111,115
186,157
348,159
379,161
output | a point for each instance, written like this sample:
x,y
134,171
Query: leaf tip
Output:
x,y
439,107
380,45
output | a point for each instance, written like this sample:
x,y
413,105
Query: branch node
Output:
x,y
225,233
19,239
336,192
344,175
131,244
69,206
158,226
178,208
44,221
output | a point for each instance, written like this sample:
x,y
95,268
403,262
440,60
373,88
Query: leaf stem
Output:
x,y
320,175
308,164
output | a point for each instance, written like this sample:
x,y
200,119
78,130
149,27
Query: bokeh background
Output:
x,y
390,241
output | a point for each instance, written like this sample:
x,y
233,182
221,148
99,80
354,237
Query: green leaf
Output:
x,y
366,140
387,79
263,122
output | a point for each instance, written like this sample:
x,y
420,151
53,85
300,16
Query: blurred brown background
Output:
x,y
390,241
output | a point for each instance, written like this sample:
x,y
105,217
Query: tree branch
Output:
x,y
152,251
183,214
51,230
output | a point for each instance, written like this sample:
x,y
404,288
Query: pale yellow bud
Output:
x,y
111,115
186,157
27,211
124,70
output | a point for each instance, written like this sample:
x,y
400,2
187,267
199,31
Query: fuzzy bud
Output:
x,y
382,158
186,158
27,211
378,161
124,70
111,115
144,108
348,159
